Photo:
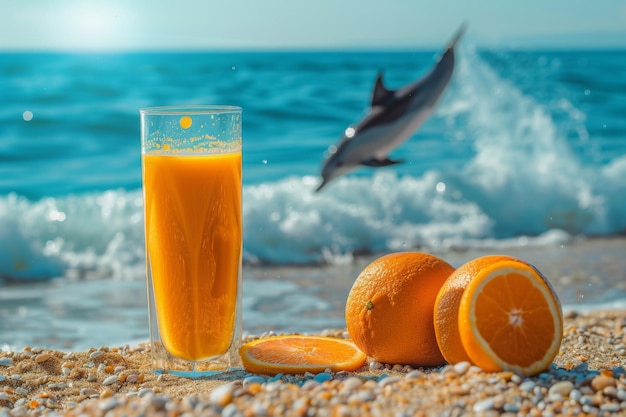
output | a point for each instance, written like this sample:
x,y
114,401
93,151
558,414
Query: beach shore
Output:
x,y
588,376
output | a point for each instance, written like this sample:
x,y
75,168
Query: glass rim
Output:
x,y
189,109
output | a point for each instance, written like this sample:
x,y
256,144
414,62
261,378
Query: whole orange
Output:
x,y
389,311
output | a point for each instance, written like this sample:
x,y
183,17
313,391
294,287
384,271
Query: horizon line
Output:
x,y
296,49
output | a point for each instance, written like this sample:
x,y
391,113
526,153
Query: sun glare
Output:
x,y
92,26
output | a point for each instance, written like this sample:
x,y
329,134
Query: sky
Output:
x,y
123,25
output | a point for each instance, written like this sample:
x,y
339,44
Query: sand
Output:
x,y
587,376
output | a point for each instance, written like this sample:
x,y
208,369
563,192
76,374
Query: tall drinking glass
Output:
x,y
191,169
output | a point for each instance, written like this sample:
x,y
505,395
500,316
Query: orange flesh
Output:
x,y
298,354
193,241
307,352
506,321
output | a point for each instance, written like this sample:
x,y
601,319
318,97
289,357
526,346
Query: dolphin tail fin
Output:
x,y
460,31
376,163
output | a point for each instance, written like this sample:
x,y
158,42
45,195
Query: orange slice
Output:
x,y
510,318
296,354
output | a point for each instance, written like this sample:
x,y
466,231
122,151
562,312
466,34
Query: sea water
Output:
x,y
524,147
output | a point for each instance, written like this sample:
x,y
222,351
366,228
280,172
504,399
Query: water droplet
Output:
x,y
27,115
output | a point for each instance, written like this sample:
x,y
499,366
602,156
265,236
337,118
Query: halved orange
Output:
x,y
509,316
296,354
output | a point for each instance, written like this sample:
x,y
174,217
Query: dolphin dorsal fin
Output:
x,y
381,93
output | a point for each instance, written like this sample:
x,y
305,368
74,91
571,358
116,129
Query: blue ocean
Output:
x,y
524,148
523,144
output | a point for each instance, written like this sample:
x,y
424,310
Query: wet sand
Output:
x,y
586,273
76,314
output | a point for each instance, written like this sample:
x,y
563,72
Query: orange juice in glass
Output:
x,y
191,168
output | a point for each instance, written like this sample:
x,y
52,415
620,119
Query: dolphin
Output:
x,y
393,117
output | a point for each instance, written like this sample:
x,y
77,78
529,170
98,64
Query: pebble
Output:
x,y
42,357
273,386
230,411
575,395
415,374
96,354
4,395
106,393
561,388
18,411
221,395
145,391
511,408
88,392
583,367
275,378
375,366
610,391
602,381
351,383
361,397
254,379
309,385
159,403
322,377
131,378
586,400
111,380
610,407
4,361
527,386
484,405
462,367
108,404
591,410
388,381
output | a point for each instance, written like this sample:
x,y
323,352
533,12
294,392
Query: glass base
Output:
x,y
164,363
198,374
